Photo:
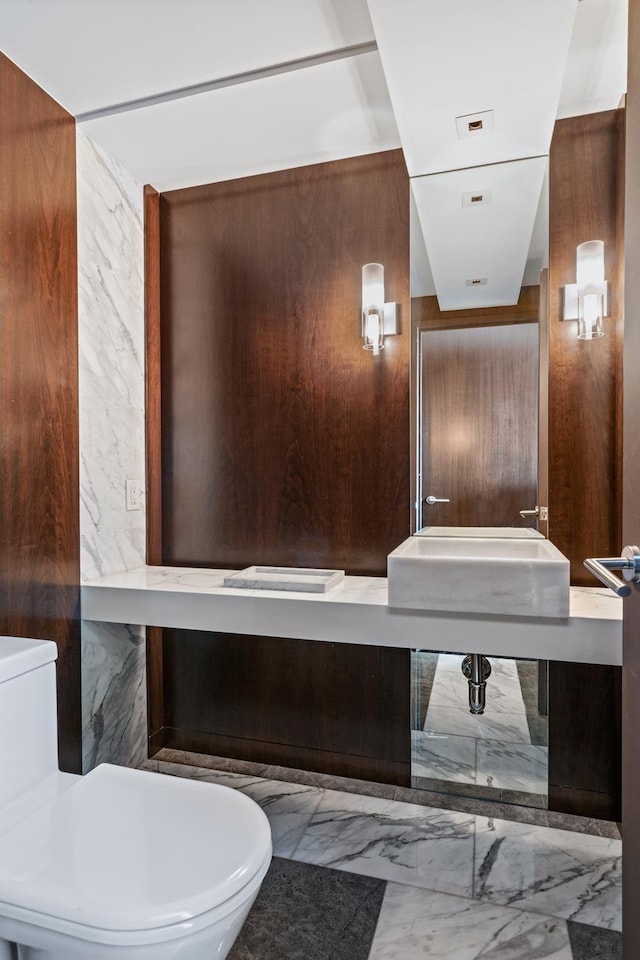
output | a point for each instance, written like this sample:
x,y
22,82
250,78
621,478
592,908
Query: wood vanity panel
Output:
x,y
284,442
584,384
39,479
584,739
331,707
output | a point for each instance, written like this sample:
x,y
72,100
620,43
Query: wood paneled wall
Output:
x,y
585,388
283,441
39,485
586,178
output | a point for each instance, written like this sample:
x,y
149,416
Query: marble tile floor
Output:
x,y
306,912
498,806
458,885
519,767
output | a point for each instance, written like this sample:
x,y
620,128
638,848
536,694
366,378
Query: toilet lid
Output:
x,y
130,850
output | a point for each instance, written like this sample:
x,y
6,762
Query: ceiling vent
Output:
x,y
476,198
475,124
476,282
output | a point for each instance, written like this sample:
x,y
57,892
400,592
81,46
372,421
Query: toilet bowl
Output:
x,y
120,864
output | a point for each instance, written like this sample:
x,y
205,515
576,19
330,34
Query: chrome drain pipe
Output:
x,y
477,670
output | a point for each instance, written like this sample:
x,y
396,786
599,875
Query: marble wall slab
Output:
x,y
111,379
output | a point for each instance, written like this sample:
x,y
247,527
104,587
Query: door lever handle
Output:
x,y
628,564
431,500
542,513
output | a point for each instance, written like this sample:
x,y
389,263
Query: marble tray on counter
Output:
x,y
300,579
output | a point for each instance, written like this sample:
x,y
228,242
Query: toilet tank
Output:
x,y
28,720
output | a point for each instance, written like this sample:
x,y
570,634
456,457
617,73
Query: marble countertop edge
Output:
x,y
356,611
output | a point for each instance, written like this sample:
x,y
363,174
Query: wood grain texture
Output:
x,y
631,507
153,408
584,444
284,442
39,479
584,739
153,430
425,312
332,707
479,402
584,494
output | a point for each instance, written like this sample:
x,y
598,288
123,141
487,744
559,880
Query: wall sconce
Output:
x,y
379,319
586,300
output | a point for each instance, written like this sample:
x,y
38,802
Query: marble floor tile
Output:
x,y
327,781
416,923
457,721
594,943
288,806
305,912
567,875
393,841
443,757
512,766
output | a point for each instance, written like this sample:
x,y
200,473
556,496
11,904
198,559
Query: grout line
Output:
x,y
306,826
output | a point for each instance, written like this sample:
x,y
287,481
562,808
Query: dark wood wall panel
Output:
x,y
39,501
586,189
584,495
284,442
333,707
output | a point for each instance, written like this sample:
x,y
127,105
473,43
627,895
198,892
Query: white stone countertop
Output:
x,y
355,611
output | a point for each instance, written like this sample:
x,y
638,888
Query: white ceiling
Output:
x,y
93,53
325,112
487,241
448,58
595,77
441,59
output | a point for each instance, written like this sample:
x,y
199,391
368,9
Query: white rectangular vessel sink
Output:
x,y
491,575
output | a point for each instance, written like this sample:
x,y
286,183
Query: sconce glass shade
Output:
x,y
591,289
373,307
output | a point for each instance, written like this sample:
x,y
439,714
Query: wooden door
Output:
x,y
479,424
631,507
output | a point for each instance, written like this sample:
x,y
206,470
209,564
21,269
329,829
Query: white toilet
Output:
x,y
120,864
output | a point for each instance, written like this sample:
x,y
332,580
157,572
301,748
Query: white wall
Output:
x,y
111,364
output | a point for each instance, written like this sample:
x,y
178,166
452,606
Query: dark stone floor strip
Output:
x,y
305,912
593,943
